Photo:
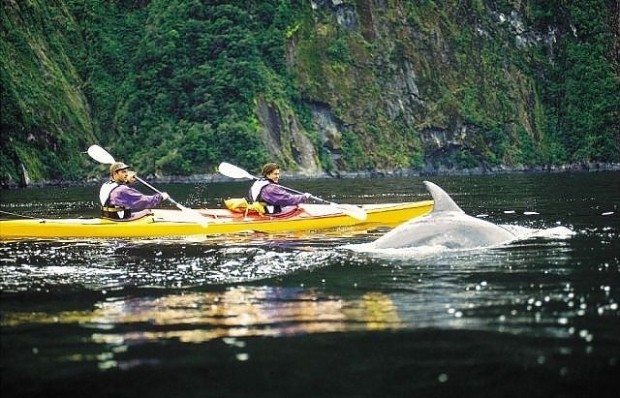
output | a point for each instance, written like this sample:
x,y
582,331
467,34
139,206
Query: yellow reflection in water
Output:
x,y
235,312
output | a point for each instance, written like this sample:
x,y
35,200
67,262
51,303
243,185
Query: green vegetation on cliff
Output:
x,y
176,86
45,119
581,85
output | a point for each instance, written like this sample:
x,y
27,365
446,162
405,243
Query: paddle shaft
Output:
x,y
174,202
199,217
301,193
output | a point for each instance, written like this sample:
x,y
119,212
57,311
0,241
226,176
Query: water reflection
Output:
x,y
237,312
242,312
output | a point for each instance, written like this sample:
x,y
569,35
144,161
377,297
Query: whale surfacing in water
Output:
x,y
447,225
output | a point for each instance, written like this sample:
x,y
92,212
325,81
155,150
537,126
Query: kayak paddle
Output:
x,y
102,156
232,171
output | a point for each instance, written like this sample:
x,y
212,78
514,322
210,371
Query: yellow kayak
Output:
x,y
175,223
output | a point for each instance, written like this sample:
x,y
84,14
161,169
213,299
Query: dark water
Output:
x,y
266,316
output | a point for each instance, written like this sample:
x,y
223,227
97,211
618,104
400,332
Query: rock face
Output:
x,y
330,135
285,140
414,85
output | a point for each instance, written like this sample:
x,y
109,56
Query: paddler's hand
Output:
x,y
307,195
165,196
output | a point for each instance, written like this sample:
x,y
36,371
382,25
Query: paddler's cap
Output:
x,y
116,166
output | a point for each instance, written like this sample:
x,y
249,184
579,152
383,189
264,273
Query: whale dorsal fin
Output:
x,y
443,201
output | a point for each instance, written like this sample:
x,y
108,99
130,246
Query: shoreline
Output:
x,y
369,174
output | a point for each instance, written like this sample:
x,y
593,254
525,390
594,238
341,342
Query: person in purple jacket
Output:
x,y
121,202
275,198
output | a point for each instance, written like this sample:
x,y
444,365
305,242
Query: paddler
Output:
x,y
267,191
121,202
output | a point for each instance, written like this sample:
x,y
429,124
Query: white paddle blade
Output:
x,y
232,171
100,155
351,210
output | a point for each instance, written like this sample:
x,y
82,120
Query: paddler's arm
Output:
x,y
135,200
277,196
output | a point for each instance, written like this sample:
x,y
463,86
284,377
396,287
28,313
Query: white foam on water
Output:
x,y
556,233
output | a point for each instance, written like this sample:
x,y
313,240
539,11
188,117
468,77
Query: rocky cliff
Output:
x,y
176,86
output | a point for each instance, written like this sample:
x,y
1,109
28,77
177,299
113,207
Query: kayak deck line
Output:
x,y
176,223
